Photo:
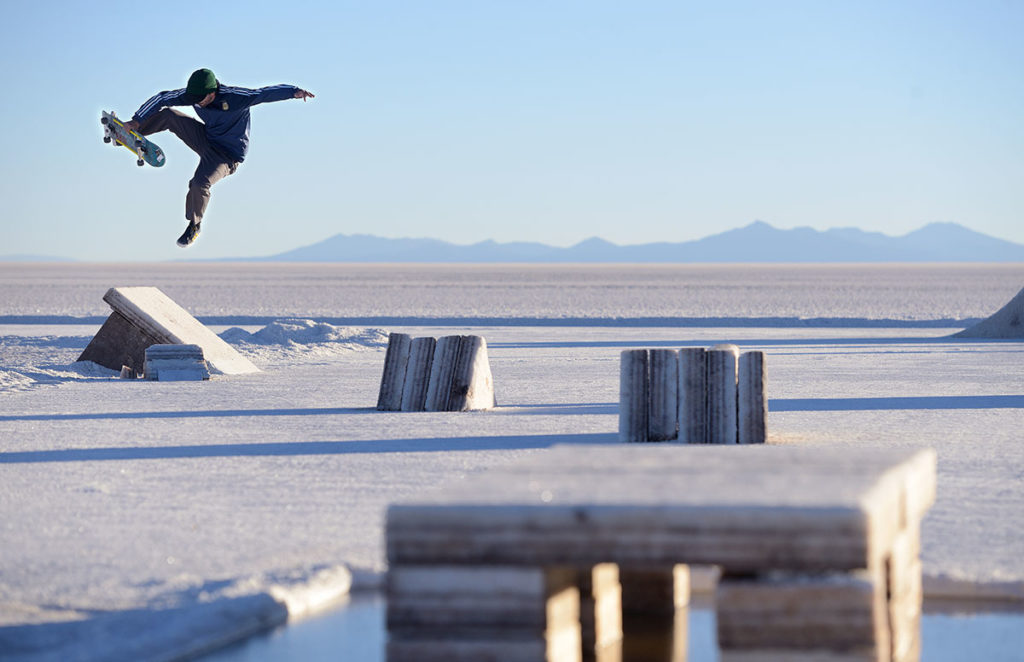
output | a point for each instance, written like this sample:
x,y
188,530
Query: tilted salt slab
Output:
x,y
145,316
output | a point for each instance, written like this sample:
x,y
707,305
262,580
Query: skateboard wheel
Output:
x,y
104,120
140,162
106,139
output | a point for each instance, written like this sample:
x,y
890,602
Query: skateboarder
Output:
x,y
221,140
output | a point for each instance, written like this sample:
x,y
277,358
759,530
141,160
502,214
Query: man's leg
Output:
x,y
211,170
191,131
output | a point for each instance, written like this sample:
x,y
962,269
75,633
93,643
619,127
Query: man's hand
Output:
x,y
131,125
303,94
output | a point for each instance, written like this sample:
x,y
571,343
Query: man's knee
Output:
x,y
199,185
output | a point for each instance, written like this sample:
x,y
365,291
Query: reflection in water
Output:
x,y
356,632
656,638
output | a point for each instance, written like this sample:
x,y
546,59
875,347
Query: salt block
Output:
x,y
752,407
472,386
439,387
663,395
766,508
175,363
693,420
831,611
479,597
722,363
558,646
633,395
417,374
145,316
796,655
905,595
657,591
392,382
483,612
600,608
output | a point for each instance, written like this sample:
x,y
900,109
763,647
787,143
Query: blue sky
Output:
x,y
520,120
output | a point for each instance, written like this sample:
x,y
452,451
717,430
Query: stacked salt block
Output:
x,y
818,550
451,373
693,395
175,363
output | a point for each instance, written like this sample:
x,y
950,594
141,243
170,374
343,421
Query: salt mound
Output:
x,y
301,340
289,332
1007,322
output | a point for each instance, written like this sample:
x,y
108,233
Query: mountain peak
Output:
x,y
594,242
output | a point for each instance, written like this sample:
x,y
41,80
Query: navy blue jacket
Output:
x,y
227,116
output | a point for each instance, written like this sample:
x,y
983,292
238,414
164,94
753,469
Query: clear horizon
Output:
x,y
549,123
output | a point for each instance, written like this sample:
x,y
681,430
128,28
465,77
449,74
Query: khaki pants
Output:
x,y
212,168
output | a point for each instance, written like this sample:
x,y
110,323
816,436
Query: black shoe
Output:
x,y
188,237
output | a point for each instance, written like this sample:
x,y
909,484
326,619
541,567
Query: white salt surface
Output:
x,y
143,520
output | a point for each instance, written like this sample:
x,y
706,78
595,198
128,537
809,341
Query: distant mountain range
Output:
x,y
757,242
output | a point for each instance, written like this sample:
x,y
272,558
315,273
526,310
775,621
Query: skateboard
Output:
x,y
115,133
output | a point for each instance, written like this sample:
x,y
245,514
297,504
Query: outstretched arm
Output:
x,y
252,97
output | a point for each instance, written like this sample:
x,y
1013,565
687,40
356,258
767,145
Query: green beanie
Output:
x,y
201,83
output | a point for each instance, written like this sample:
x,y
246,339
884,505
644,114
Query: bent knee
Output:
x,y
199,186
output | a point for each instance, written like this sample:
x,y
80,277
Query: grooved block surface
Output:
x,y
417,374
392,382
663,395
693,421
633,395
752,402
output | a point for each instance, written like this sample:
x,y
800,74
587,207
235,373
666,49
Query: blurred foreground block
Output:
x,y
145,316
818,549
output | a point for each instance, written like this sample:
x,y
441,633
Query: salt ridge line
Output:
x,y
680,322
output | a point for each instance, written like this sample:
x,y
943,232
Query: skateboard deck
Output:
x,y
115,133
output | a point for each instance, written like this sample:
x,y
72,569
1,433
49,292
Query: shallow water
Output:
x,y
356,632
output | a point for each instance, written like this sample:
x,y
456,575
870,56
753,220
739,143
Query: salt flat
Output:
x,y
146,517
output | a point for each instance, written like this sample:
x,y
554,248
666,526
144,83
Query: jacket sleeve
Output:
x,y
263,94
161,100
